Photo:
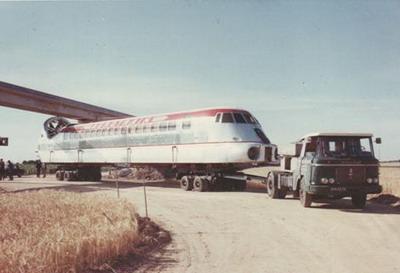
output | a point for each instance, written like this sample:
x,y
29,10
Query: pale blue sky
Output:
x,y
297,66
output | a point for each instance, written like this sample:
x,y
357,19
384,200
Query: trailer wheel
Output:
x,y
186,184
359,200
305,197
200,184
67,176
271,186
60,175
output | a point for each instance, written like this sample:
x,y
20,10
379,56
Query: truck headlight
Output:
x,y
331,180
324,180
369,180
376,180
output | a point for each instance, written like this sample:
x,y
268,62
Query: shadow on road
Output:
x,y
345,205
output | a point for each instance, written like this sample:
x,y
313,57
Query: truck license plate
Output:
x,y
338,189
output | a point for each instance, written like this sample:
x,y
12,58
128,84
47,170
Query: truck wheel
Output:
x,y
186,184
271,187
305,197
359,200
242,185
200,184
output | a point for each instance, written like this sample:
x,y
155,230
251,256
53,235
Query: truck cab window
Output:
x,y
227,118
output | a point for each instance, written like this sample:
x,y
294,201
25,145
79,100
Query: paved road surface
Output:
x,y
247,232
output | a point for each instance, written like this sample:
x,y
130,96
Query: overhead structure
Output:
x,y
32,100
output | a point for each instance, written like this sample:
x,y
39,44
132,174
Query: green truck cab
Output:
x,y
328,166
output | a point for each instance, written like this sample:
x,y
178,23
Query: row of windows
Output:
x,y
235,117
138,129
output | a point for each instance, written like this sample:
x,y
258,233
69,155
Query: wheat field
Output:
x,y
53,231
390,179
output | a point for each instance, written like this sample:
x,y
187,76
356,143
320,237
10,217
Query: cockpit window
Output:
x,y
262,136
239,118
218,117
227,118
249,118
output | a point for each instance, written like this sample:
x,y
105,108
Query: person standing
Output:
x,y
38,167
44,170
2,169
10,167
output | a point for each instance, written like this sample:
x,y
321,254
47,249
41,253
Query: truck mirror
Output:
x,y
378,140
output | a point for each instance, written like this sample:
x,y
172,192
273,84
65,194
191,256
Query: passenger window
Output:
x,y
218,117
109,131
239,118
154,127
138,129
171,126
227,118
146,128
123,130
98,133
116,131
163,127
186,124
130,130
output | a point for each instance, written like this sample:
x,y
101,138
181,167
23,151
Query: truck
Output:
x,y
328,166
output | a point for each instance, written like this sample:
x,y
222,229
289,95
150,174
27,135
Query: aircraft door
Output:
x,y
80,155
174,154
129,155
51,156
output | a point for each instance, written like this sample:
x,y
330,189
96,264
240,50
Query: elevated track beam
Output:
x,y
23,98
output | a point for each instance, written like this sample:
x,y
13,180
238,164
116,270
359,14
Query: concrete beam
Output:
x,y
31,100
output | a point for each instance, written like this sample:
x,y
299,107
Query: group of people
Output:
x,y
7,169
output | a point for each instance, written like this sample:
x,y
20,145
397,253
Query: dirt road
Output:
x,y
247,232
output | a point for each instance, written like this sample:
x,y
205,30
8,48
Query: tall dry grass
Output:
x,y
390,179
53,231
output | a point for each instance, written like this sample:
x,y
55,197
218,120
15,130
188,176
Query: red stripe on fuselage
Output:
x,y
118,123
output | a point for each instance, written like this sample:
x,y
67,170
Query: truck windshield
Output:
x,y
346,147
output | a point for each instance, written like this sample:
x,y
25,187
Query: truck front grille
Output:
x,y
350,175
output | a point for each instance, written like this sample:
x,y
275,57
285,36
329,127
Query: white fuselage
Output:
x,y
196,137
